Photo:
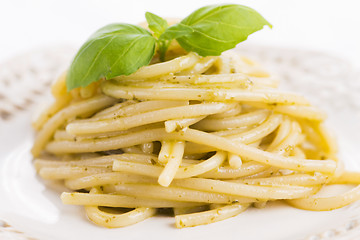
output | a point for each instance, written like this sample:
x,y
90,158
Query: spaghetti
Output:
x,y
207,137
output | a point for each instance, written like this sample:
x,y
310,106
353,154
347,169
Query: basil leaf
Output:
x,y
217,28
116,49
172,32
156,23
176,31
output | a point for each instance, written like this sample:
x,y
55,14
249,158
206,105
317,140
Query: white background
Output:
x,y
321,25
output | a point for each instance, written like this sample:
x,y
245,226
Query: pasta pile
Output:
x,y
207,137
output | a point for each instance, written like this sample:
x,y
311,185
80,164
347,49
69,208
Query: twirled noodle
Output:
x,y
215,215
207,137
87,106
327,203
111,220
117,124
116,90
117,220
120,201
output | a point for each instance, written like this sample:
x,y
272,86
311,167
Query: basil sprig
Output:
x,y
216,29
116,49
121,49
156,24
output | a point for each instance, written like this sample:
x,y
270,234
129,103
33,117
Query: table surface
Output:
x,y
322,25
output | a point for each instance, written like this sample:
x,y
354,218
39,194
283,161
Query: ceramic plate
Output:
x,y
30,208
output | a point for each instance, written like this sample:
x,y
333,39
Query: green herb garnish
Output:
x,y
121,49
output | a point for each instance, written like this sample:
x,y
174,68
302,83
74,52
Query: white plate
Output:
x,y
30,207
